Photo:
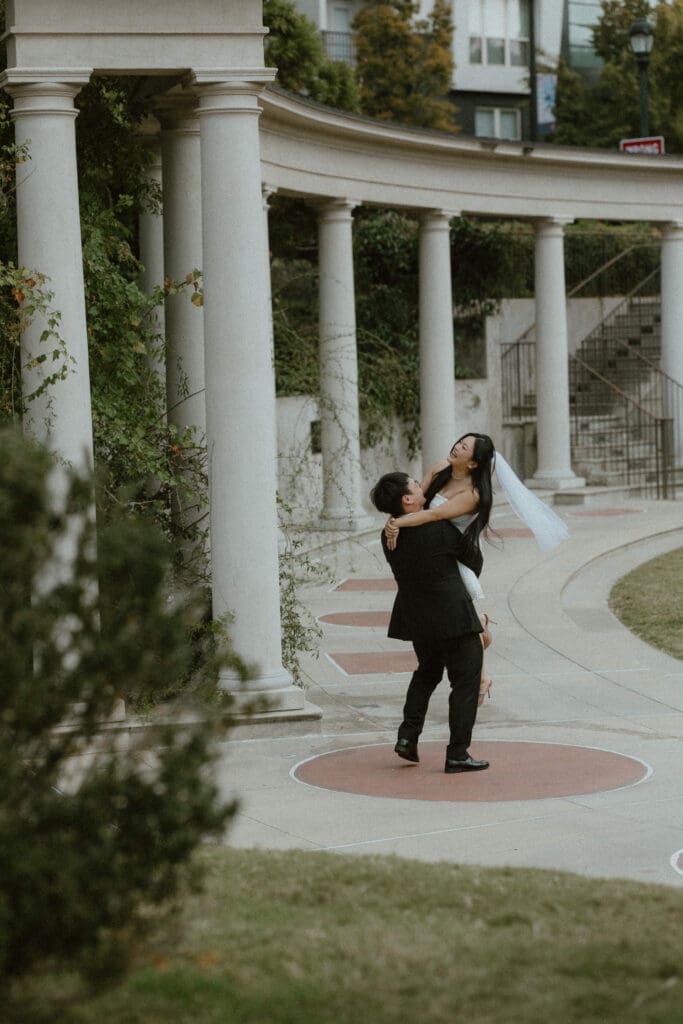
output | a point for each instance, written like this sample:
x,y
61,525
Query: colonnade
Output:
x,y
219,366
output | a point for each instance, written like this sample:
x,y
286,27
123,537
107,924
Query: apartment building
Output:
x,y
493,44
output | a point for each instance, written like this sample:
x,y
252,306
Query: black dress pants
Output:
x,y
461,657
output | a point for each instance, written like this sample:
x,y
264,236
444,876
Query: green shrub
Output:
x,y
91,832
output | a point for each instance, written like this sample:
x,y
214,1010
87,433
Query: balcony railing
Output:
x,y
339,46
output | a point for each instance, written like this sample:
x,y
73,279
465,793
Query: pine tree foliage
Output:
x,y
405,63
294,46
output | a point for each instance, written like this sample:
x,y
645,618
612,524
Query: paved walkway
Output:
x,y
583,732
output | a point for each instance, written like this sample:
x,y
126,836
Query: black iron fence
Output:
x,y
518,380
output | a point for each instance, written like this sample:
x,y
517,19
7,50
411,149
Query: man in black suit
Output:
x,y
434,611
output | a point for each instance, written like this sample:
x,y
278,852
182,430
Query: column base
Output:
x,y
301,722
257,703
263,694
549,481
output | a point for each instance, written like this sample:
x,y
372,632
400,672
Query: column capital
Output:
x,y
224,91
335,209
437,216
232,79
45,82
436,219
148,131
37,92
672,228
177,110
267,191
552,225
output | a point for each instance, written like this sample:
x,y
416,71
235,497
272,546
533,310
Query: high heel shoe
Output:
x,y
484,689
485,635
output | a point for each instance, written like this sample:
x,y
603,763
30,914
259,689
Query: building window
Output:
x,y
498,123
339,46
582,17
338,40
499,32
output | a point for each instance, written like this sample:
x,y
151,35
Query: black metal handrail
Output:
x,y
573,292
518,369
626,413
617,438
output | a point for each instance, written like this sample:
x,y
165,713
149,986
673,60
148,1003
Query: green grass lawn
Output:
x,y
314,938
649,601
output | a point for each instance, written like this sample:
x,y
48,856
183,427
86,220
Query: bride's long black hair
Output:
x,y
484,455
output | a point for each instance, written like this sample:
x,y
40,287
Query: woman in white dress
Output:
x,y
458,489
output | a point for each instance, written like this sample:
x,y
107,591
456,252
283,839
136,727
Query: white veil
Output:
x,y
546,526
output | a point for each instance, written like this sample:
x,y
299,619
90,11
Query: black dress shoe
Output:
x,y
466,764
407,750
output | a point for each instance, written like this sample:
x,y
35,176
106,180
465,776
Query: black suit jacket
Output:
x,y
432,602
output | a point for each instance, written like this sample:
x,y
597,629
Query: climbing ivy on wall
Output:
x,y
143,453
145,457
142,460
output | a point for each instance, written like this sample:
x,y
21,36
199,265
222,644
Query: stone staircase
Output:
x,y
618,431
624,411
624,352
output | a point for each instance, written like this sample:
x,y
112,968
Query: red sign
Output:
x,y
655,144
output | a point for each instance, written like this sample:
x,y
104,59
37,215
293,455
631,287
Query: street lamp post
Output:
x,y
641,38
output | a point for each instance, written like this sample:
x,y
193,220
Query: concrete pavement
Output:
x,y
584,731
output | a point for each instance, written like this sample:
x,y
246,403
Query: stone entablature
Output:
x,y
308,149
133,37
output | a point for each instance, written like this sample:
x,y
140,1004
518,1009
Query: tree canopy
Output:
x,y
294,46
403,68
405,63
604,113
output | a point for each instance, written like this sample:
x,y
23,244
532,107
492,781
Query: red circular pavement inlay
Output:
x,y
363,663
519,771
365,619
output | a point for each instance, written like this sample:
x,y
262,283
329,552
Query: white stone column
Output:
x,y
151,229
266,192
49,240
552,360
182,176
182,243
339,417
437,357
240,389
672,326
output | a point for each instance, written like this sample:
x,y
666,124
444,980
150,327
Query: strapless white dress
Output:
x,y
469,578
